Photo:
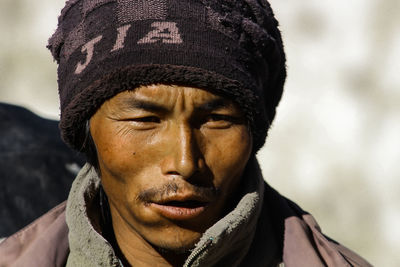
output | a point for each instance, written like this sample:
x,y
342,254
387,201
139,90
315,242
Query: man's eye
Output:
x,y
146,119
218,121
217,117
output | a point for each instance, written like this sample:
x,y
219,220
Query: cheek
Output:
x,y
119,151
119,161
125,166
227,155
114,159
126,158
114,154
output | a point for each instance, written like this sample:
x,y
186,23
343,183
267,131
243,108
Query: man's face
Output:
x,y
170,159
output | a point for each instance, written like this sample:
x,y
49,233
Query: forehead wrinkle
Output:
x,y
201,99
148,105
143,99
172,98
215,104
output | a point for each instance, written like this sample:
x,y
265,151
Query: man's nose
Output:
x,y
184,156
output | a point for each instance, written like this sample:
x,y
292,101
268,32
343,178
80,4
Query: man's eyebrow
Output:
x,y
214,104
132,103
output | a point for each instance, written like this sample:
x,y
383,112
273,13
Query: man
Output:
x,y
170,101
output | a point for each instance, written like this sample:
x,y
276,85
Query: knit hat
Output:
x,y
228,47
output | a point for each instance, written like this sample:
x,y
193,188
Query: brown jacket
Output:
x,y
264,229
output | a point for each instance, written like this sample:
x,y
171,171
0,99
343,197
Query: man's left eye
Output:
x,y
218,117
218,121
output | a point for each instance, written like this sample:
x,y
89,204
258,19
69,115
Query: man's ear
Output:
x,y
89,148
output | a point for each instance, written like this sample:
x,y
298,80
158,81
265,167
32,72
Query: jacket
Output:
x,y
264,229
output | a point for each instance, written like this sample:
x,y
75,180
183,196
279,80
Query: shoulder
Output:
x,y
48,235
301,240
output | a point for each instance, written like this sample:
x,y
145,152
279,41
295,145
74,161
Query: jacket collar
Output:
x,y
225,243
87,246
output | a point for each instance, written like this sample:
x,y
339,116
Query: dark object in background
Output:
x,y
36,167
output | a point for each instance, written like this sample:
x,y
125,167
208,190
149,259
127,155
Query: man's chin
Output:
x,y
181,249
176,251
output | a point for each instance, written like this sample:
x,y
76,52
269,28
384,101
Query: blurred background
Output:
x,y
334,147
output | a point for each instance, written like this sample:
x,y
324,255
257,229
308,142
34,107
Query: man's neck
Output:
x,y
134,250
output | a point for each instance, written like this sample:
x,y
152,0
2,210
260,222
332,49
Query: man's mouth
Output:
x,y
178,202
179,209
190,204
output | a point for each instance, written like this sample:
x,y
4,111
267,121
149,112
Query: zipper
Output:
x,y
193,256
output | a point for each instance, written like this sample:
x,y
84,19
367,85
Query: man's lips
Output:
x,y
179,207
176,212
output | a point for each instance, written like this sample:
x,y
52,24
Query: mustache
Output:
x,y
170,189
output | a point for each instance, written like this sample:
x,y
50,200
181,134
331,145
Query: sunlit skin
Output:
x,y
170,159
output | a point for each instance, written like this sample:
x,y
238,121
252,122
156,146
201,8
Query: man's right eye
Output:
x,y
146,119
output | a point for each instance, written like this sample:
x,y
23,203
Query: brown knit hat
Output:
x,y
229,47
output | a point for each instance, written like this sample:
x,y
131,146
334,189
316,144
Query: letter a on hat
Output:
x,y
167,32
